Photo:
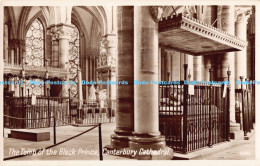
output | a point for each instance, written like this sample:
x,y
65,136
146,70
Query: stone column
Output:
x,y
242,14
2,79
197,66
160,64
55,53
22,51
87,76
6,43
227,23
207,65
125,72
54,62
190,67
168,62
112,53
11,87
146,121
80,92
209,16
16,88
63,31
12,54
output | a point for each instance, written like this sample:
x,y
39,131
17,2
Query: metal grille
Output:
x,y
245,112
66,111
191,122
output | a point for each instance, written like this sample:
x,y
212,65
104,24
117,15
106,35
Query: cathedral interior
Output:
x,y
84,52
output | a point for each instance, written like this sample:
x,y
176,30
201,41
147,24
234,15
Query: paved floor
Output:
x,y
85,147
245,151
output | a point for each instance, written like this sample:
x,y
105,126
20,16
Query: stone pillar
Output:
x,y
226,60
6,43
65,87
209,16
91,67
112,53
242,14
146,121
11,87
2,79
12,54
207,65
22,51
125,72
87,76
54,59
16,88
55,53
64,32
175,65
80,92
182,62
168,62
197,66
190,67
160,64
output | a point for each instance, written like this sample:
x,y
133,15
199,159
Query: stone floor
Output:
x,y
244,151
88,143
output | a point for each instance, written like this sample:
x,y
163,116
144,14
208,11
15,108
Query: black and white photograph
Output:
x,y
128,82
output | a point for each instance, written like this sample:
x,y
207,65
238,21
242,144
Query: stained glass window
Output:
x,y
74,60
35,44
35,54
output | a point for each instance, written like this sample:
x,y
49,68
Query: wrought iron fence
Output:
x,y
245,107
37,115
190,122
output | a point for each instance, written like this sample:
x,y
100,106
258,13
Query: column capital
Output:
x,y
242,14
51,31
64,31
156,12
60,31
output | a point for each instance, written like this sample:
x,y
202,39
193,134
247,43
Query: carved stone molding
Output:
x,y
64,31
242,14
204,39
33,70
60,31
156,12
105,60
52,32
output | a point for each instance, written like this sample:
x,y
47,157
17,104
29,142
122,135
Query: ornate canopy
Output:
x,y
194,37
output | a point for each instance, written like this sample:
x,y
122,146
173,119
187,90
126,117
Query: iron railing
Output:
x,y
62,108
190,122
245,107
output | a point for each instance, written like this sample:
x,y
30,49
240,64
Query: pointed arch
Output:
x,y
35,44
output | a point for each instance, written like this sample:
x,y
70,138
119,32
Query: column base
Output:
x,y
120,139
150,148
235,132
234,127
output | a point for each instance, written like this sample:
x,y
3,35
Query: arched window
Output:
x,y
34,54
74,60
35,45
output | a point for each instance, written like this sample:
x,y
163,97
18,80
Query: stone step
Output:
x,y
30,135
237,135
